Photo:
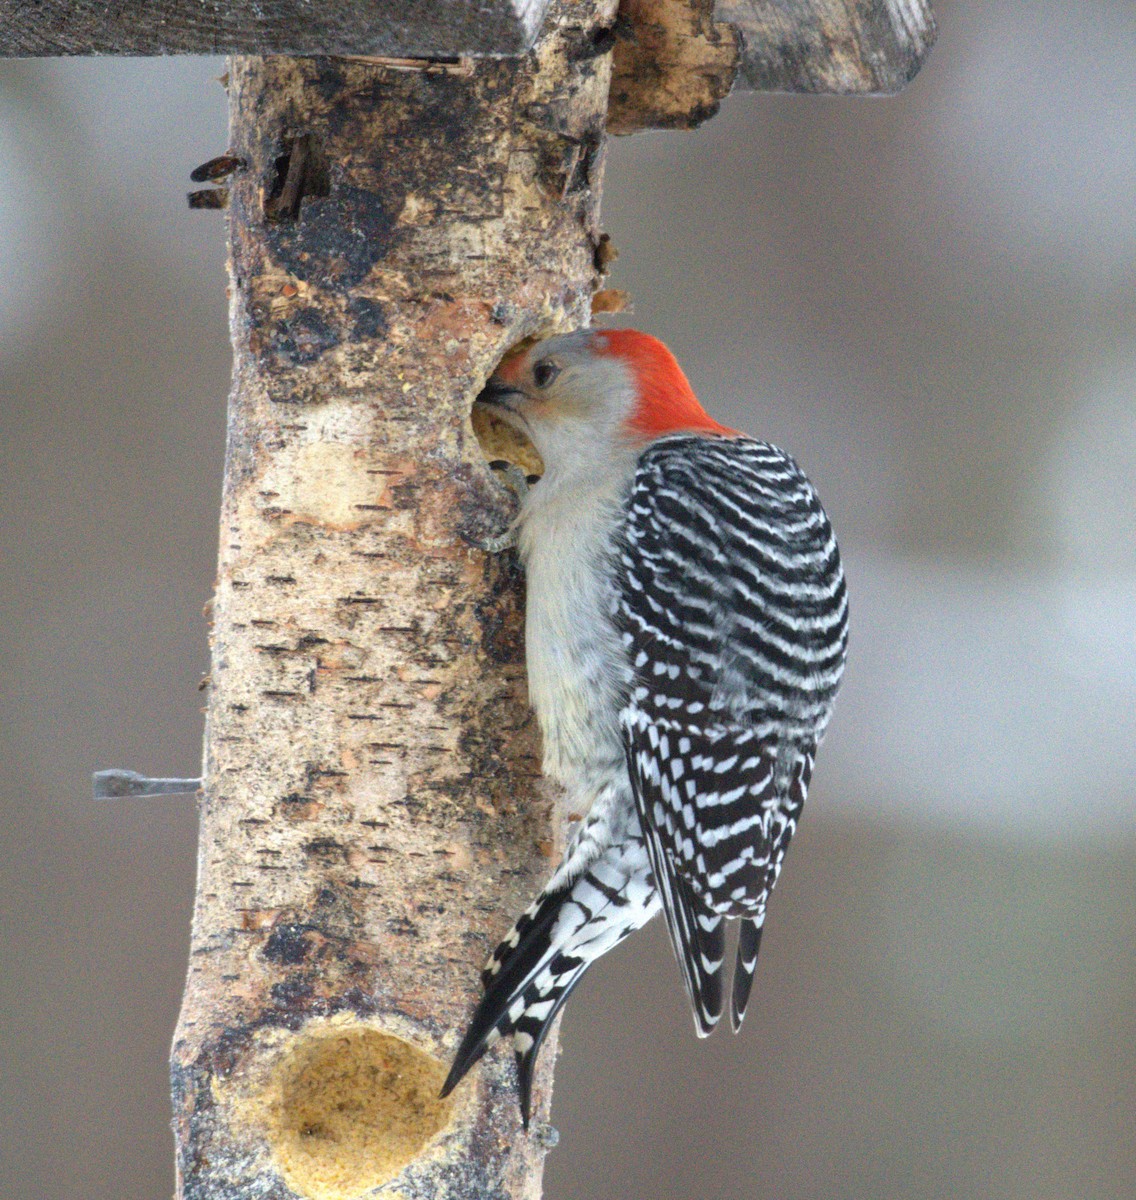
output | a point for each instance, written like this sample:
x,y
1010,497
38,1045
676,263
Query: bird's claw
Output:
x,y
514,477
517,482
495,545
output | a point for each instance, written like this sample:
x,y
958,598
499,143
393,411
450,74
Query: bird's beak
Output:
x,y
498,394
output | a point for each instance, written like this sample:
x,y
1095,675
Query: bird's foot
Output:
x,y
517,482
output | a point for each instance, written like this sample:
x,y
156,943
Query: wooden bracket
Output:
x,y
675,60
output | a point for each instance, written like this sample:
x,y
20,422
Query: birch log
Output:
x,y
372,817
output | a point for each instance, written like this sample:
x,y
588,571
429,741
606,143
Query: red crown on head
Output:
x,y
665,401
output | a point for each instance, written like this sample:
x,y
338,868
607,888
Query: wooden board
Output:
x,y
394,28
836,46
674,59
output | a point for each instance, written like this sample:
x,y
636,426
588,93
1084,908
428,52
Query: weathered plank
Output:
x,y
842,46
674,59
394,28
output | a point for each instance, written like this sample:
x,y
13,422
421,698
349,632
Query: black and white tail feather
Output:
x,y
602,892
733,613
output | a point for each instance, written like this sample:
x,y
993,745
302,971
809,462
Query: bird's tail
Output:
x,y
573,922
749,942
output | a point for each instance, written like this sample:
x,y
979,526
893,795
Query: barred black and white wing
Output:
x,y
733,611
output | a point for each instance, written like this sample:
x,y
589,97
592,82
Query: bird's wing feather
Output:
x,y
733,613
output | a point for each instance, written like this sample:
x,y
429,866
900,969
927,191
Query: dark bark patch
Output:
x,y
302,337
368,318
292,1000
288,943
499,610
337,238
325,850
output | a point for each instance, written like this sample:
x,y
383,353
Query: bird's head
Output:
x,y
593,393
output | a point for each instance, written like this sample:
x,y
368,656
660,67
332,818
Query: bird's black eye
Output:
x,y
545,372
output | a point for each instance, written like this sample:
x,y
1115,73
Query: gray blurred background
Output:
x,y
931,301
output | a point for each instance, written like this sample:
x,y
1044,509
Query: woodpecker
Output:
x,y
686,628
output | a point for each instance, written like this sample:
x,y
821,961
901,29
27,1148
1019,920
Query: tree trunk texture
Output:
x,y
372,816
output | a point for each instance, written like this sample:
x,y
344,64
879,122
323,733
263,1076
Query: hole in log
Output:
x,y
348,1110
299,172
500,442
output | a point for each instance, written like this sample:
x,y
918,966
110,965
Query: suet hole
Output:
x,y
347,1110
500,442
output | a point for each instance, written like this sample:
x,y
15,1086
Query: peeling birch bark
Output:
x,y
372,815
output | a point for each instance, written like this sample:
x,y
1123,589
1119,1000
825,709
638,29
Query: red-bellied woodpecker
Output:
x,y
686,628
